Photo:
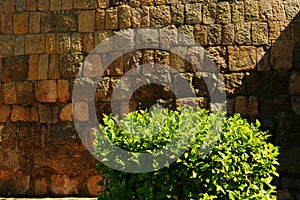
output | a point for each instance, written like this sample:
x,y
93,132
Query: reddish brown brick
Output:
x,y
86,21
46,91
33,67
50,43
81,111
63,90
6,23
5,112
43,67
43,4
66,4
31,5
34,22
21,23
66,113
35,44
10,93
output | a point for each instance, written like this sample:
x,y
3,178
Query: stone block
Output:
x,y
101,37
88,42
223,13
147,2
69,64
50,46
124,16
53,67
160,16
63,92
282,54
33,67
93,66
236,53
238,12
132,60
145,17
5,112
260,33
63,43
66,4
63,185
147,38
7,43
103,3
291,8
25,93
243,34
265,10
20,113
168,37
111,22
115,68
41,186
85,4
15,68
177,13
43,66
193,13
218,54
81,111
278,10
21,23
76,42
43,5
35,44
46,91
86,21
209,13
294,87
65,21
100,19
46,22
251,10
20,47
20,5
34,22
48,113
66,113
228,34
188,32
214,34
201,34
6,23
136,17
233,82
31,5
55,4
177,62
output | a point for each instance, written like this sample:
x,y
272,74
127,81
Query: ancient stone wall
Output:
x,y
43,43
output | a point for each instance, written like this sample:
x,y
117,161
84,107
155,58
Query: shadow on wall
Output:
x,y
271,93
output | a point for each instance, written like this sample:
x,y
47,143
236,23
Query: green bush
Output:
x,y
240,165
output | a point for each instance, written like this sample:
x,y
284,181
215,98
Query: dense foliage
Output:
x,y
240,165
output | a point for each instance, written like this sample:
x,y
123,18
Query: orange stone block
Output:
x,y
46,91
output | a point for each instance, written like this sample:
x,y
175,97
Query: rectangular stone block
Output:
x,y
7,43
177,13
50,46
8,6
35,44
260,33
236,53
20,113
33,67
86,21
282,54
31,5
81,111
100,19
25,94
55,4
46,91
53,67
209,13
84,4
63,43
238,12
160,16
63,90
66,113
43,66
112,18
193,13
15,68
34,22
223,13
103,3
10,93
76,42
20,45
124,16
6,24
228,34
265,10
251,10
214,34
21,23
45,22
65,21
243,33
5,112
201,34
69,64
48,113
66,4
43,5
278,10
88,42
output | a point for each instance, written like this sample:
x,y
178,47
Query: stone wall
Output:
x,y
255,44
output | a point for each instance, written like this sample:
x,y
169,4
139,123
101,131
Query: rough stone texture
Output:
x,y
209,13
259,33
112,18
66,113
21,23
177,13
241,58
86,21
193,14
243,34
46,91
223,13
160,16
35,44
124,17
64,21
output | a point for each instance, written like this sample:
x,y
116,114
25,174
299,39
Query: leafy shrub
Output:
x,y
240,165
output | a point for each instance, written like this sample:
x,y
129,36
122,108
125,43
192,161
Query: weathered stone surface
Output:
x,y
93,66
43,64
251,10
63,42
24,92
292,8
218,55
177,13
85,4
41,186
124,40
88,42
214,34
294,88
20,48
209,13
243,34
48,113
63,92
124,16
34,25
144,38
64,21
66,4
81,111
7,43
55,4
233,82
278,10
46,22
15,68
103,89
223,13
193,13
20,113
66,113
35,44
263,59
241,58
245,105
21,23
186,36
260,33
160,16
238,12
86,21
201,34
7,23
46,91
69,64
5,112
43,5
112,18
265,10
168,37
103,3
100,19
63,185
228,34
76,43
282,54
